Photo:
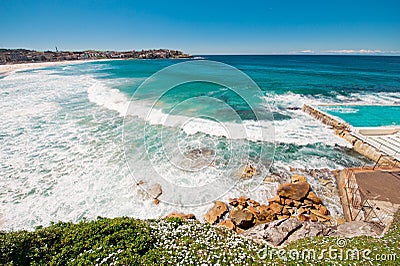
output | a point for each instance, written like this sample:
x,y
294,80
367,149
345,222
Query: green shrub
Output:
x,y
128,241
70,244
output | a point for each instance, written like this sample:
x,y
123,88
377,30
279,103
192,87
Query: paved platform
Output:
x,y
370,194
383,185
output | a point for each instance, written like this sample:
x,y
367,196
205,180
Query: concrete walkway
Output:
x,y
385,139
370,195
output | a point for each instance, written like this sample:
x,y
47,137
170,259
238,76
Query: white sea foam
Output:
x,y
55,162
370,98
109,98
302,130
290,99
299,129
62,156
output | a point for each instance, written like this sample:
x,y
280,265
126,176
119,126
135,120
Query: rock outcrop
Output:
x,y
227,224
294,191
247,171
155,191
244,219
216,212
181,215
283,232
293,199
297,198
358,228
198,153
248,212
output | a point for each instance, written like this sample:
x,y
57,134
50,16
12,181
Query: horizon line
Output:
x,y
310,54
361,52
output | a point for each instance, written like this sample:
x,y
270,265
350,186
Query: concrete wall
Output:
x,y
344,130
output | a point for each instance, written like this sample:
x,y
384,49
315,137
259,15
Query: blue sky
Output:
x,y
204,27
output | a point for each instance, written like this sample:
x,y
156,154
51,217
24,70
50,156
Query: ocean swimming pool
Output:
x,y
366,115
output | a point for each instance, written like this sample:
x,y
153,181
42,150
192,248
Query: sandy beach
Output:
x,y
8,69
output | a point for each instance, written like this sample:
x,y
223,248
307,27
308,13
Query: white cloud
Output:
x,y
345,52
307,51
349,52
361,51
303,52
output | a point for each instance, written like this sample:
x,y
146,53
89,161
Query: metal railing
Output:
x,y
359,205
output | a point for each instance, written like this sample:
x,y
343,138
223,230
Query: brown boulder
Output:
x,y
233,202
286,211
227,224
289,202
216,212
322,209
295,191
297,203
265,214
301,210
275,207
239,230
314,198
199,153
253,210
181,215
283,216
269,216
303,218
242,201
263,208
276,199
265,217
253,203
321,217
313,217
242,218
308,203
155,191
248,171
298,178
272,178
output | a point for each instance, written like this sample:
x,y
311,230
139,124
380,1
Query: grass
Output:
x,y
128,241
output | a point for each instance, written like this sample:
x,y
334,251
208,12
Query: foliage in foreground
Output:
x,y
128,241
100,241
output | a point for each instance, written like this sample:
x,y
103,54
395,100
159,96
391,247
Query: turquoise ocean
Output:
x,y
63,155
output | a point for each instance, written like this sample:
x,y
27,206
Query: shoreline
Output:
x,y
8,69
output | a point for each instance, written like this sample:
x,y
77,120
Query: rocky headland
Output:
x,y
294,213
17,56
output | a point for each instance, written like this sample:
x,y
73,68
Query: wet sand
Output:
x,y
8,69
